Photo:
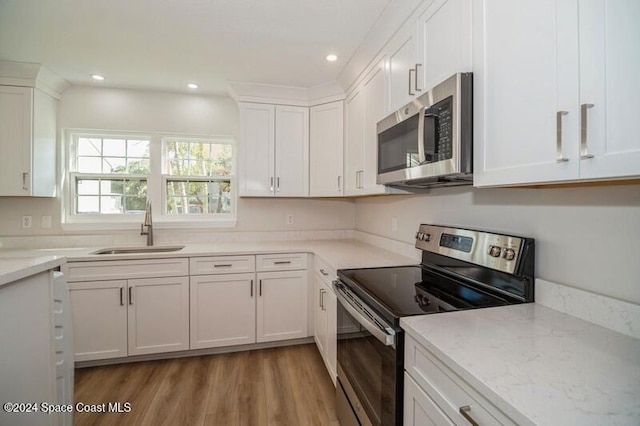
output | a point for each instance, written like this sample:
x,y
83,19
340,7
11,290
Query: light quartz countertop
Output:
x,y
538,365
15,268
339,254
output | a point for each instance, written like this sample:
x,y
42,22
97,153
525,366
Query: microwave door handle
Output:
x,y
421,154
384,337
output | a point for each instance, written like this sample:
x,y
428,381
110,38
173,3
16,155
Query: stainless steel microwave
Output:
x,y
429,142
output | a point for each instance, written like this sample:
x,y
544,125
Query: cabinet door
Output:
x,y
223,310
99,318
402,68
331,310
354,142
326,150
444,41
609,70
525,61
16,124
292,151
158,315
281,306
374,100
320,320
419,408
257,149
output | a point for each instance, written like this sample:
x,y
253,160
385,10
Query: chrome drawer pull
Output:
x,y
283,262
465,411
559,157
323,272
225,265
584,152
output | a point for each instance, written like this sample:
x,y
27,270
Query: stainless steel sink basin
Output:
x,y
135,250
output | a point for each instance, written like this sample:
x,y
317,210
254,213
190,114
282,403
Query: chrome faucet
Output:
x,y
148,223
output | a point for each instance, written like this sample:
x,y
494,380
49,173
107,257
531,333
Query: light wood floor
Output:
x,y
278,386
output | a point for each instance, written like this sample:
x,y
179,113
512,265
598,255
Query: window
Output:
x,y
198,177
111,176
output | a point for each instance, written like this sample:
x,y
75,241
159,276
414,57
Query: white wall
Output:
x,y
135,110
585,237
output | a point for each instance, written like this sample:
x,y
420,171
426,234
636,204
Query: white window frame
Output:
x,y
156,181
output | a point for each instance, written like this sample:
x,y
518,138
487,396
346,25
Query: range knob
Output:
x,y
494,251
509,254
426,237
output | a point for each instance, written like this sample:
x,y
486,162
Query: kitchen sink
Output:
x,y
134,250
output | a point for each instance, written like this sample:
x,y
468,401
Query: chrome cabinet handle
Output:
x,y
584,153
225,265
465,411
278,184
25,181
130,296
260,285
251,287
322,292
415,75
282,262
121,296
559,157
271,185
411,70
323,272
339,183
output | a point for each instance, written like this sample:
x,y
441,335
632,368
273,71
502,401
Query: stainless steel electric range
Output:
x,y
460,269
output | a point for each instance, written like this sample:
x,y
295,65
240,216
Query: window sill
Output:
x,y
157,224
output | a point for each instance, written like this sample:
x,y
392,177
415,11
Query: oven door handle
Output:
x,y
383,336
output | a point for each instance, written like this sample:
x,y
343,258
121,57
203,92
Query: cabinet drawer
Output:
x,y
221,265
447,389
281,262
125,269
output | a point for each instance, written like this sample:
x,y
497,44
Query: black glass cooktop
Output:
x,y
414,290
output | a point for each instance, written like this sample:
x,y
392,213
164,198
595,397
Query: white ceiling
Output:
x,y
164,44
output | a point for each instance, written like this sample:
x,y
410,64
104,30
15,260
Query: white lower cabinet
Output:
x,y
223,310
117,318
158,315
230,306
325,312
126,316
99,317
435,394
281,305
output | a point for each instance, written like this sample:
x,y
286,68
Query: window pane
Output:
x,y
114,148
198,188
138,148
177,167
88,204
135,205
182,150
89,146
197,168
114,165
138,166
89,164
111,204
136,188
88,187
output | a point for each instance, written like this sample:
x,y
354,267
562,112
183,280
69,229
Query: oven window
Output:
x,y
369,367
398,146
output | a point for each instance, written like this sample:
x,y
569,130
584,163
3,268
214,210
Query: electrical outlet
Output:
x,y
289,219
46,222
27,221
394,224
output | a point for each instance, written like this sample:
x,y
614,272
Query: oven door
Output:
x,y
367,363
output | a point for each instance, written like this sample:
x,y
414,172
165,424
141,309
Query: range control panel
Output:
x,y
495,251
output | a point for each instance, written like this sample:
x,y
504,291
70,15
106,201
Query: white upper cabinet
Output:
x,y
364,108
609,40
545,110
444,42
402,68
292,151
27,142
326,143
274,159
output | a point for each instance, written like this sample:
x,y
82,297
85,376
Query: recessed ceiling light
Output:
x,y
332,58
192,86
97,77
